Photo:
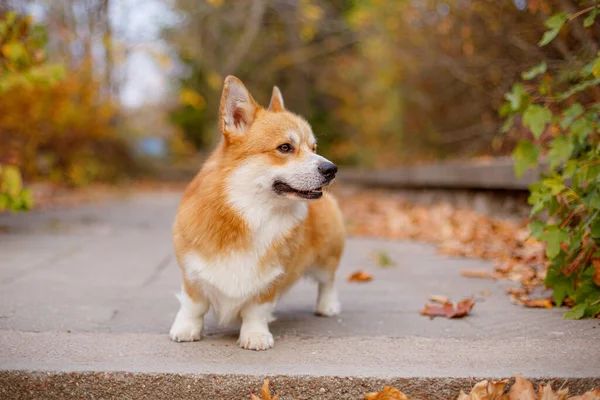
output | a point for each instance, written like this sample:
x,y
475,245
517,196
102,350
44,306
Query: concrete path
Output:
x,y
87,298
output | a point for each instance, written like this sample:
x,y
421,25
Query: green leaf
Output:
x,y
535,71
570,114
554,236
505,109
562,286
517,96
576,312
560,151
555,184
536,228
525,155
536,118
539,197
571,167
505,128
554,23
582,128
589,20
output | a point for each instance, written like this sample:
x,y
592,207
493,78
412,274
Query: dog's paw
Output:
x,y
259,340
186,331
328,306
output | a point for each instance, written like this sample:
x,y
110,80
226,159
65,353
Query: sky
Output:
x,y
138,23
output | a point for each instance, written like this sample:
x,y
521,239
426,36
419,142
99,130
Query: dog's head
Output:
x,y
272,151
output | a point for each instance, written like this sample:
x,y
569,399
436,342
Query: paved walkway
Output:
x,y
92,289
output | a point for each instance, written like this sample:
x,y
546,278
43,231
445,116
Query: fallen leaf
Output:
x,y
360,276
383,259
517,255
591,395
522,389
538,303
486,390
265,392
484,292
475,273
547,393
464,307
388,393
439,299
448,310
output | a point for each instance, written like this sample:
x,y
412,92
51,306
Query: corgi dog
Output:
x,y
255,220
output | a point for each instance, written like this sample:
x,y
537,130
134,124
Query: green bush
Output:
x,y
561,110
12,194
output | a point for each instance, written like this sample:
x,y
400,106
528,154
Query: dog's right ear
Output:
x,y
237,109
276,103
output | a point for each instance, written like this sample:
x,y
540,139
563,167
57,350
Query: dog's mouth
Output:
x,y
282,188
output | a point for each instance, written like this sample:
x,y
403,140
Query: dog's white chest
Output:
x,y
230,281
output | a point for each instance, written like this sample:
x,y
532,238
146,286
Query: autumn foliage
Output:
x,y
55,122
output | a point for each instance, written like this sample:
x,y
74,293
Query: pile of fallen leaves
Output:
x,y
456,232
522,389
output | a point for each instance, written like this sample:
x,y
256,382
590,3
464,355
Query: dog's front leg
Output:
x,y
254,334
189,322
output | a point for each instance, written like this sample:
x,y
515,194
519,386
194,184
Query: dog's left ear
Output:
x,y
276,103
237,109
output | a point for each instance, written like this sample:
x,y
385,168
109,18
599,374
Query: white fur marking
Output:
x,y
189,321
254,333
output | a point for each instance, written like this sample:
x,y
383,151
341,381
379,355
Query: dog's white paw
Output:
x,y
328,306
259,340
186,330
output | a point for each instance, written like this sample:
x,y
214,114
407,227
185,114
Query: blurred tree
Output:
x,y
55,123
264,43
381,81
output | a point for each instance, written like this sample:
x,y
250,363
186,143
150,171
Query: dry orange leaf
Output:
x,y
591,395
476,273
265,392
360,276
448,310
388,393
538,303
486,390
523,390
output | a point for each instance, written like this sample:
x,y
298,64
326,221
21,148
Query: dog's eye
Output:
x,y
285,148
315,148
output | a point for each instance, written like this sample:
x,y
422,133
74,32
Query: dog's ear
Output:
x,y
276,103
237,109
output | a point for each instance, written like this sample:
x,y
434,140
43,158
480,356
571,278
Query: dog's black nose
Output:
x,y
328,169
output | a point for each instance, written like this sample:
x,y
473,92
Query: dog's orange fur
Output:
x,y
206,224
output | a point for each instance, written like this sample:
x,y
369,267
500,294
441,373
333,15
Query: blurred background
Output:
x,y
98,90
